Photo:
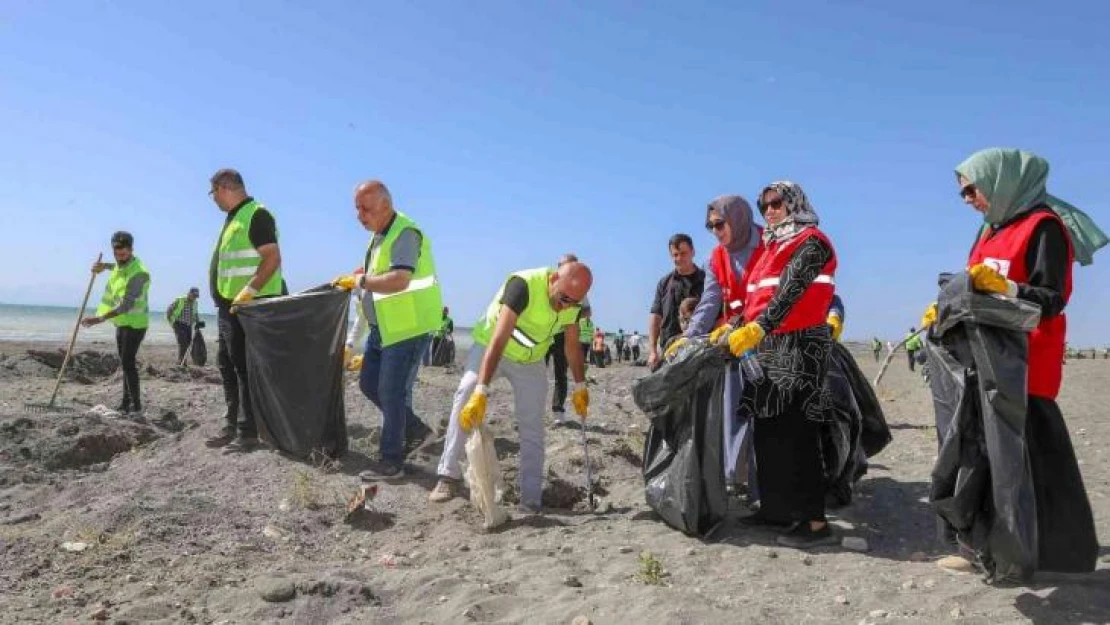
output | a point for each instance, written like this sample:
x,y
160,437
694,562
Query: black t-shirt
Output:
x,y
669,293
263,231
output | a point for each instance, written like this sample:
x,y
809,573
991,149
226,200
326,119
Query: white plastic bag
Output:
x,y
484,477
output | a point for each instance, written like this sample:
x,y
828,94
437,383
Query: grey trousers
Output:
x,y
529,383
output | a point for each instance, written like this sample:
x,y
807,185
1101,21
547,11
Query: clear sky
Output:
x,y
515,131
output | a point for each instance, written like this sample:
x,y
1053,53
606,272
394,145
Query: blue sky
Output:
x,y
515,131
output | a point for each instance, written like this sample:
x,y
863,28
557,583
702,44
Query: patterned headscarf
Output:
x,y
800,213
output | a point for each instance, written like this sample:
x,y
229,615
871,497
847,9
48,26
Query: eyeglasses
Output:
x,y
968,191
766,206
715,225
565,300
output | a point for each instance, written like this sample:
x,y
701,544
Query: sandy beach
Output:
x,y
136,521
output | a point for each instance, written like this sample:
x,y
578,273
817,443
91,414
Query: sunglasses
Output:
x,y
715,225
766,206
566,300
968,191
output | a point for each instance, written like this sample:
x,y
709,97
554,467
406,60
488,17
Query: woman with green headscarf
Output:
x,y
1025,250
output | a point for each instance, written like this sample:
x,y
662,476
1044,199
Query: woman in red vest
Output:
x,y
788,293
1025,251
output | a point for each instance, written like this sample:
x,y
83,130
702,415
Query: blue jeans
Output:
x,y
388,374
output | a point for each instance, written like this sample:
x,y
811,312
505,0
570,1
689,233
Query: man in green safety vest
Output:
x,y
183,316
876,347
403,307
246,264
913,345
511,340
125,304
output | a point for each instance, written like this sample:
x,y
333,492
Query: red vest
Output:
x,y
763,280
732,285
1004,250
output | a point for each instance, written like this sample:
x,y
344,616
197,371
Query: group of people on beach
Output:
x,y
767,291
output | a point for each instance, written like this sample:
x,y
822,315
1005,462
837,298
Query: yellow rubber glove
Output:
x,y
356,363
474,412
836,325
347,283
746,338
986,279
673,347
581,399
244,296
715,335
930,316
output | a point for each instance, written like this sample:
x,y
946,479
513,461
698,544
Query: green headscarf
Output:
x,y
1014,182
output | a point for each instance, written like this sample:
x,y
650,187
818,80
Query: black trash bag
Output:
x,y
856,430
198,352
683,467
295,369
981,483
443,351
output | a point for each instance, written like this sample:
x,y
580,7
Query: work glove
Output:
x,y
835,325
746,338
355,364
581,399
474,412
715,335
984,278
244,296
347,283
930,316
673,347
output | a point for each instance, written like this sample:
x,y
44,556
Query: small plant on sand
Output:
x,y
303,491
651,570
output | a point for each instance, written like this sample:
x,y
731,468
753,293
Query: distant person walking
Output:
x,y
913,345
183,317
634,345
876,347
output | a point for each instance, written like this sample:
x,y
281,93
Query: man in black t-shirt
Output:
x,y
687,280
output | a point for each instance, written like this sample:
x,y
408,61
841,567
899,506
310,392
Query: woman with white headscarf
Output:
x,y
789,290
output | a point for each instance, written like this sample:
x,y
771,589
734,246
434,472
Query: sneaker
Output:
x,y
956,564
802,537
226,435
446,489
382,470
241,445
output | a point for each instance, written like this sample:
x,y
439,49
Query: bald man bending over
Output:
x,y
403,307
511,340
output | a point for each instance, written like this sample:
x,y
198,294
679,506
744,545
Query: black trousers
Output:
x,y
559,355
788,465
128,341
184,334
233,369
913,361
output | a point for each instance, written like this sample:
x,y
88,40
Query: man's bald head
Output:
x,y
570,284
374,205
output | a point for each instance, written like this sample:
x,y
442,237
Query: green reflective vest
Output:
x,y
914,343
419,308
585,330
138,317
179,307
238,261
536,326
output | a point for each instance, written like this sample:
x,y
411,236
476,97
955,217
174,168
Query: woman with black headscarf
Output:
x,y
788,292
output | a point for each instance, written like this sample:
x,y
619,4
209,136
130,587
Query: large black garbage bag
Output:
x,y
199,351
682,464
982,484
295,369
856,430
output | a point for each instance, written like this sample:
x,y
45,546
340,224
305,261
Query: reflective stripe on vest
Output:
x,y
139,315
1005,250
772,282
237,260
418,308
537,324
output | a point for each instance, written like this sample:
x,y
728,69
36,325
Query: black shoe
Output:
x,y
382,470
802,537
241,445
124,408
415,440
226,435
759,520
